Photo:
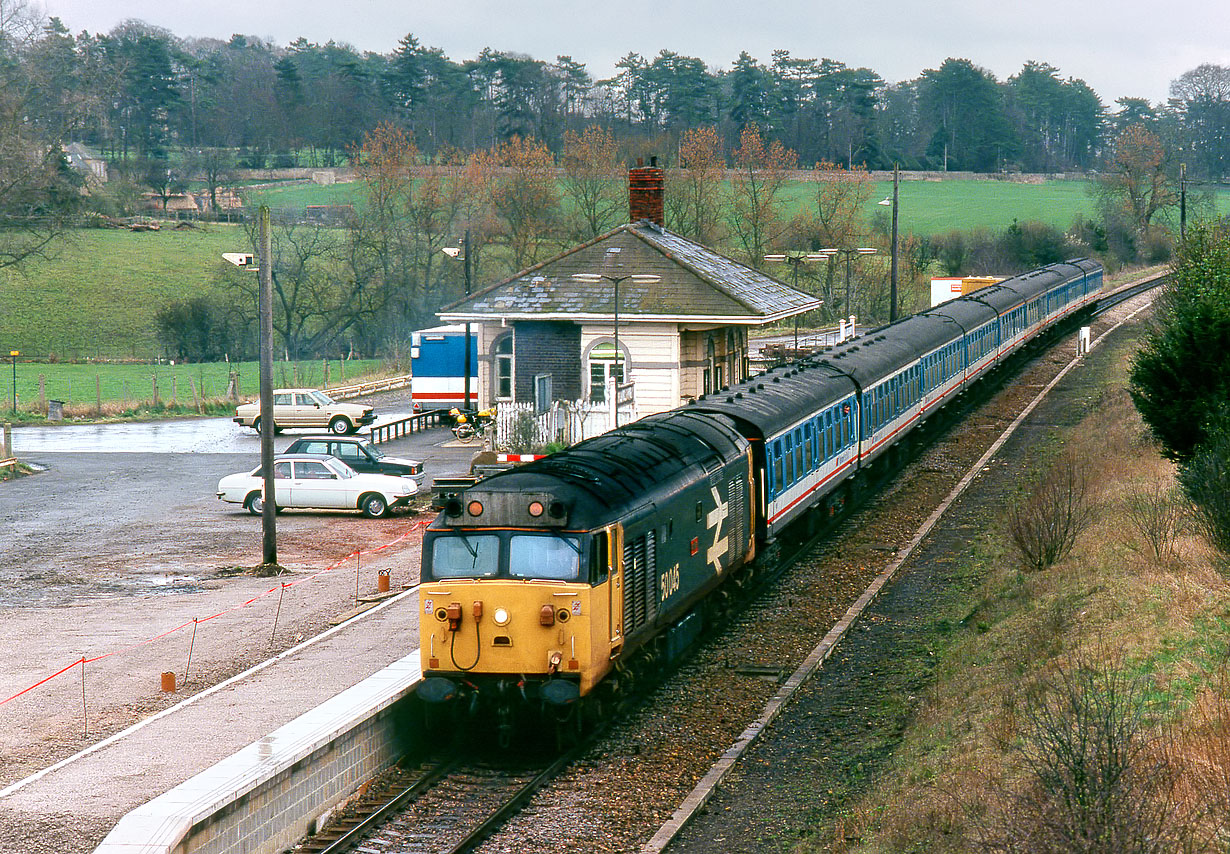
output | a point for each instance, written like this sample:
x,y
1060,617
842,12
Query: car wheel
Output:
x,y
340,425
256,425
373,505
255,504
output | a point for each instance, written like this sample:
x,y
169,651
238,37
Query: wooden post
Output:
x,y
98,393
42,393
174,390
155,386
196,401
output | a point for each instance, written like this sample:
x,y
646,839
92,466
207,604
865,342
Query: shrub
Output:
x,y
1044,527
1097,779
1205,479
1157,512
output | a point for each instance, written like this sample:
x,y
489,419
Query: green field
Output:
x,y
98,296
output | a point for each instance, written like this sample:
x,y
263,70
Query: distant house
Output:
x,y
545,336
87,163
175,203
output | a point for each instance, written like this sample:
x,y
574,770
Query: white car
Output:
x,y
321,482
306,407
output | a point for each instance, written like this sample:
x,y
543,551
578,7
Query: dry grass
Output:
x,y
1160,620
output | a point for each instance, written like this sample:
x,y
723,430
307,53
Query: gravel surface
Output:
x,y
615,800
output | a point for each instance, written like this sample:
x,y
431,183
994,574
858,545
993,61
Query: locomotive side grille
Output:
x,y
738,519
640,571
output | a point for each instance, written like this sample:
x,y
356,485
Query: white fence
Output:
x,y
566,421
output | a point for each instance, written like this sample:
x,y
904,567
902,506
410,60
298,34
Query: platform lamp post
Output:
x,y
892,290
794,259
269,537
640,279
464,252
850,255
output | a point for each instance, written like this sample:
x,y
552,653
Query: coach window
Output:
x,y
799,468
778,482
809,458
789,455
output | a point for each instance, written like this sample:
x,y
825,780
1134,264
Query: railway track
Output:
x,y
439,807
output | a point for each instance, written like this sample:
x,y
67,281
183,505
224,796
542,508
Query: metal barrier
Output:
x,y
342,392
409,424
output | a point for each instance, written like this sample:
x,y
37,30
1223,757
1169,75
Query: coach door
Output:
x,y
615,591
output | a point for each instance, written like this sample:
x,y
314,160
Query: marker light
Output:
x,y
501,617
536,509
475,508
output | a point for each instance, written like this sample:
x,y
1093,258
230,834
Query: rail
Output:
x,y
11,462
405,426
342,392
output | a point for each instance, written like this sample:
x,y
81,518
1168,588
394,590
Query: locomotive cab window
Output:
x,y
549,557
465,556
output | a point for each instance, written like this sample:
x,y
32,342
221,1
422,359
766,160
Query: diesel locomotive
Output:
x,y
542,584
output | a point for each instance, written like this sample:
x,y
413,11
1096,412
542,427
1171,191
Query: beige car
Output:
x,y
305,407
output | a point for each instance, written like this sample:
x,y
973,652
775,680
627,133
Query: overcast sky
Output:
x,y
1119,47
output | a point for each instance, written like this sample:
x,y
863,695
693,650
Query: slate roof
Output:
x,y
696,284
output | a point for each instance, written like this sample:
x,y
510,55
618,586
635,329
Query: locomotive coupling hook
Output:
x,y
553,662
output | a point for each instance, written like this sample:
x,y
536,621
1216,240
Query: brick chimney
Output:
x,y
646,188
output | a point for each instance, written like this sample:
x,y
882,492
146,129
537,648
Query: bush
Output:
x,y
1044,527
1096,778
1157,513
1205,479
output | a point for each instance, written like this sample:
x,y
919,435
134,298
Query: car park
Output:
x,y
358,453
318,481
306,407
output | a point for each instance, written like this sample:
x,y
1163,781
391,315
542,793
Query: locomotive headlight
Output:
x,y
501,617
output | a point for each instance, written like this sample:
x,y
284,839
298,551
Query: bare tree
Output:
x,y
521,192
694,203
755,210
593,182
1138,180
38,192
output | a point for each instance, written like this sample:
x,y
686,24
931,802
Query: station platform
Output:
x,y
245,715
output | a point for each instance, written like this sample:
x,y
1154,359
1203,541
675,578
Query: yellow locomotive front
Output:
x,y
516,602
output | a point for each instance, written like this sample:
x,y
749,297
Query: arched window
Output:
x,y
602,366
504,368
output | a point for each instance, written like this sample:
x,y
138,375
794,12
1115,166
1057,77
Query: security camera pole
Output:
x,y
269,507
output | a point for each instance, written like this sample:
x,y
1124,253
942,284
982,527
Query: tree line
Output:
x,y
139,91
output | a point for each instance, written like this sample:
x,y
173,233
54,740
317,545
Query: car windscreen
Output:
x,y
553,557
321,398
465,556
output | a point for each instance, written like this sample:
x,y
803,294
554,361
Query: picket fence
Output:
x,y
522,427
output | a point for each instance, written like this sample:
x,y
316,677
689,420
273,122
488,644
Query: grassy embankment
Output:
x,y
956,777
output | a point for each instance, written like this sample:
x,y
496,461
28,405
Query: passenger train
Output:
x,y
542,583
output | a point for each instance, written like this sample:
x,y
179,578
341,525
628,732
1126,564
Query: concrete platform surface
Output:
x,y
103,783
